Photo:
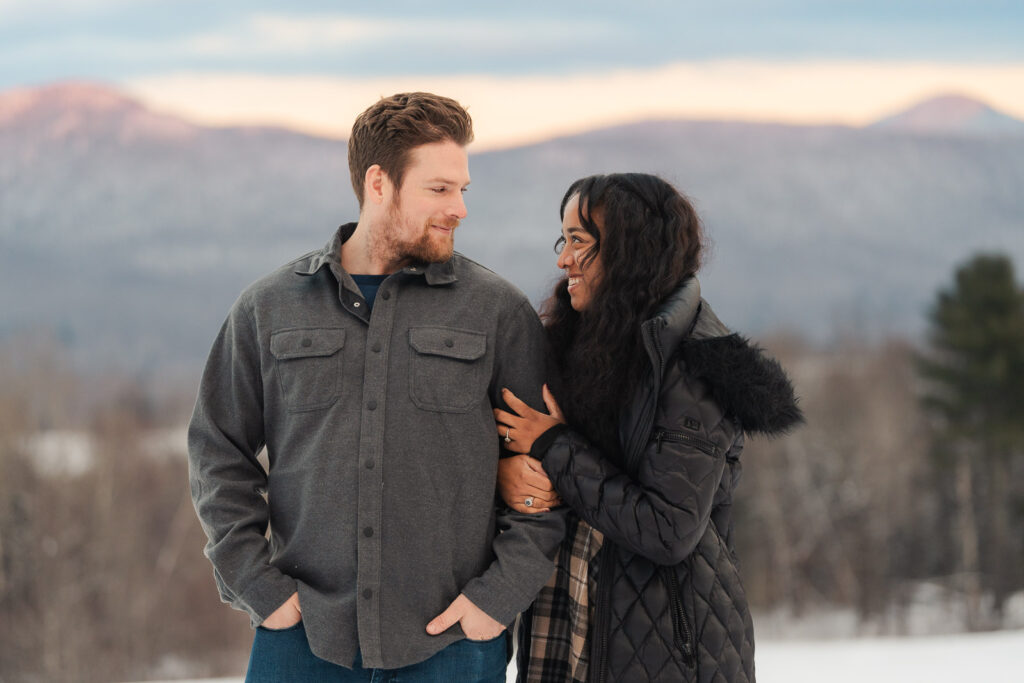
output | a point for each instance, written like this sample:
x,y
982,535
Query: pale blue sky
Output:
x,y
530,68
116,40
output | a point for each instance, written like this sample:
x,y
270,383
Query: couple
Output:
x,y
385,374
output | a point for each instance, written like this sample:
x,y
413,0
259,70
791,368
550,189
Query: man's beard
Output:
x,y
428,247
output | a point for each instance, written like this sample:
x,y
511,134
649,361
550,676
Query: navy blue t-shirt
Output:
x,y
368,285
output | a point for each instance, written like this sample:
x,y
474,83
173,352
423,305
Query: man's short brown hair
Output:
x,y
385,133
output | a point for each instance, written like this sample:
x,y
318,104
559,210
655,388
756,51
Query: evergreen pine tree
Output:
x,y
974,373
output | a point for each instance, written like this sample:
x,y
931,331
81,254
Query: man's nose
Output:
x,y
458,207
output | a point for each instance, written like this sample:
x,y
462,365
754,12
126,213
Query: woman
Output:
x,y
657,395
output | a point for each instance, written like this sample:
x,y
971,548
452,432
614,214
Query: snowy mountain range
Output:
x,y
129,232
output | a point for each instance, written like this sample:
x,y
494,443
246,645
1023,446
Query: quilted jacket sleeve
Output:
x,y
662,513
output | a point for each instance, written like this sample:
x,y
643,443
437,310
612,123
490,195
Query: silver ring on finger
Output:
x,y
528,502
508,439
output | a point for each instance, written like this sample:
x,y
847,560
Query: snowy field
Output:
x,y
989,657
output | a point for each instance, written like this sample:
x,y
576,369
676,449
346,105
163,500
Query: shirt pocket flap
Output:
x,y
448,342
306,342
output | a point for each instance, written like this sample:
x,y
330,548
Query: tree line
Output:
x,y
909,473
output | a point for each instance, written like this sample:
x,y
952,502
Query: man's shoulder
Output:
x,y
285,277
472,273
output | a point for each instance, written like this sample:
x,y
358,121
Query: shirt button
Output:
x,y
376,347
372,405
449,343
369,464
307,342
368,531
367,593
356,304
385,295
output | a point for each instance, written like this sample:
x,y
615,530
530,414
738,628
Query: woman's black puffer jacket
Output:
x,y
670,604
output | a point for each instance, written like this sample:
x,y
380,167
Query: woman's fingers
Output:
x,y
506,431
532,481
539,492
521,507
523,429
535,465
519,482
553,408
505,416
520,407
523,410
543,503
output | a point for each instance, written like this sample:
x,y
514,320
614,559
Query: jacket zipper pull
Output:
x,y
658,436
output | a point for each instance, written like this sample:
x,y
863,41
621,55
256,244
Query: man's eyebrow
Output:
x,y
445,181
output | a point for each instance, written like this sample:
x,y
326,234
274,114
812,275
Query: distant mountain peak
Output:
x,y
952,113
81,96
76,108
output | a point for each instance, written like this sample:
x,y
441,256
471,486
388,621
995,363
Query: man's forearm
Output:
x,y
524,551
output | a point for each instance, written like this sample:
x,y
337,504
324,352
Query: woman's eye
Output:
x,y
559,245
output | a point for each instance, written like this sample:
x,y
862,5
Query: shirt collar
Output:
x,y
330,255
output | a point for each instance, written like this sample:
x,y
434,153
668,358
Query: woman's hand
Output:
x,y
522,427
521,478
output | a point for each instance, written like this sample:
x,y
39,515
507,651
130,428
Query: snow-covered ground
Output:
x,y
990,657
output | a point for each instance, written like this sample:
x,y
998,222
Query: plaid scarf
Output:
x,y
558,649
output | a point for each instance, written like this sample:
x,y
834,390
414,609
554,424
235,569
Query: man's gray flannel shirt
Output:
x,y
380,494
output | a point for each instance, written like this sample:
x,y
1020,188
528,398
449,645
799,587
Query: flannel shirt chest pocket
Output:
x,y
309,366
447,373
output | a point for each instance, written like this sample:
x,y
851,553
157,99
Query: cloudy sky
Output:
x,y
526,69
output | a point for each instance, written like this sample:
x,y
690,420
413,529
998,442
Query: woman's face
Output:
x,y
575,244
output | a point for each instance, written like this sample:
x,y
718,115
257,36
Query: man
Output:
x,y
384,551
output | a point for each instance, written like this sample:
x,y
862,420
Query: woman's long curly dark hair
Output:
x,y
648,240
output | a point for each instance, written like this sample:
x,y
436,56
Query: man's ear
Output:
x,y
376,184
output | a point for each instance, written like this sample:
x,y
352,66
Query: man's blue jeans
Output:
x,y
284,656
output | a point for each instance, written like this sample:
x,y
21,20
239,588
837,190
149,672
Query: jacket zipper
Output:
x,y
679,437
681,632
644,425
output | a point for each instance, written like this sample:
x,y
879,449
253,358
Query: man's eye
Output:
x,y
439,190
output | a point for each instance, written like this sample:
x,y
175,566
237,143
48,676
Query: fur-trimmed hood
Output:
x,y
746,382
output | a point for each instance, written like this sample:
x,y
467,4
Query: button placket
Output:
x,y
369,525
